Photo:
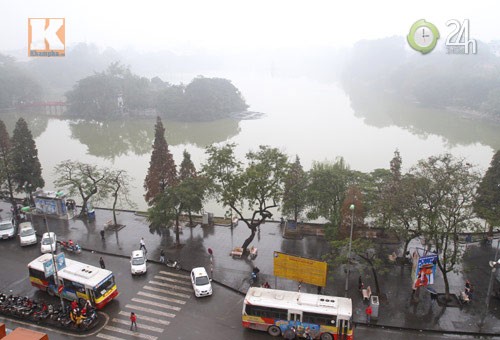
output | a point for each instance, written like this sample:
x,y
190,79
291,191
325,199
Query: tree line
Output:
x,y
117,92
16,85
468,83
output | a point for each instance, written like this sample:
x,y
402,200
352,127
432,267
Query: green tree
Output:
x,y
448,191
89,181
119,187
398,206
27,173
110,93
260,184
487,204
169,205
186,173
328,183
211,99
364,248
6,171
162,171
16,86
294,199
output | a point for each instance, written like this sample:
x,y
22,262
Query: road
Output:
x,y
162,299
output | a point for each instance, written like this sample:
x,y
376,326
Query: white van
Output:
x,y
201,282
27,234
138,262
7,229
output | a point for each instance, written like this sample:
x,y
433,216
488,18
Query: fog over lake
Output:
x,y
312,119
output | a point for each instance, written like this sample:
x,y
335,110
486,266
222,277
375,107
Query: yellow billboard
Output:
x,y
300,269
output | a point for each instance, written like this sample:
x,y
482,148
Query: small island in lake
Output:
x,y
117,92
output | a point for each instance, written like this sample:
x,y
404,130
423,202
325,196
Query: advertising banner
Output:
x,y
300,269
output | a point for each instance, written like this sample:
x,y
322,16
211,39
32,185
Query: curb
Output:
x,y
433,331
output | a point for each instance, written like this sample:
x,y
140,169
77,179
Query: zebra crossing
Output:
x,y
156,304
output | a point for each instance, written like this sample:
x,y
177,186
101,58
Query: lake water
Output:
x,y
314,120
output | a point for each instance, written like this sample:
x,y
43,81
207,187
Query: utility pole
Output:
x,y
54,262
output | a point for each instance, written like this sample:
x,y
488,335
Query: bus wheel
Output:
x,y
326,336
50,291
274,331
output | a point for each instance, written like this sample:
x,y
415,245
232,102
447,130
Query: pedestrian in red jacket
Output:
x,y
133,321
368,312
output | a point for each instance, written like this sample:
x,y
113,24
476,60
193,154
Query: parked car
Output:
x,y
49,242
27,235
138,262
201,282
7,229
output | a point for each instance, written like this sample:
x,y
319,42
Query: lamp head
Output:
x,y
493,263
351,207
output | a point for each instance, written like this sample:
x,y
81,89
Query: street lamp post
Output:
x,y
53,261
494,265
351,207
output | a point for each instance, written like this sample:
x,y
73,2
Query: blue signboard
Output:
x,y
48,268
60,261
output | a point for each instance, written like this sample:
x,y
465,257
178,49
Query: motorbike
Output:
x,y
173,264
74,248
41,313
89,316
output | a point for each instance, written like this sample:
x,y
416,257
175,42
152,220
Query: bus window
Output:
x,y
104,287
295,316
74,286
319,319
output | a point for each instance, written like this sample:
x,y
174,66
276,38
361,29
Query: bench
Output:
x,y
367,292
236,252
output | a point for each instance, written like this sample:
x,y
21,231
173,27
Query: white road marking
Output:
x,y
142,325
149,310
159,290
156,304
108,337
160,297
147,318
184,289
133,333
172,280
182,276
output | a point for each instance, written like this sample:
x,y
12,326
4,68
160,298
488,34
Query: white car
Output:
x,y
7,229
138,263
49,242
27,234
201,282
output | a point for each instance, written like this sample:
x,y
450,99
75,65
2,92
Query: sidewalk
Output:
x,y
396,306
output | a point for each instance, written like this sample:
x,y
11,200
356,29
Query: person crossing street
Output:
x,y
133,321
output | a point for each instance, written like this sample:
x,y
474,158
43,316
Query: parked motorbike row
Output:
x,y
40,312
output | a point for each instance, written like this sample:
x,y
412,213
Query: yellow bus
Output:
x,y
77,281
279,312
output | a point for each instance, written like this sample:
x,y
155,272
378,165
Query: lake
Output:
x,y
317,121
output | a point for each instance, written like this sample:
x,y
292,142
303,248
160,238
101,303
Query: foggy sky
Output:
x,y
233,25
